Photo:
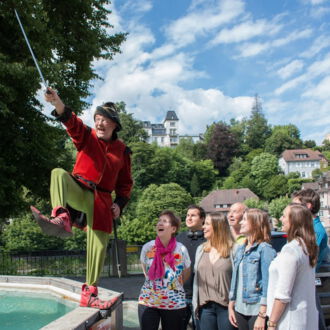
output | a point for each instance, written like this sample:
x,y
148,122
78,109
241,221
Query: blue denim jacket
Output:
x,y
256,263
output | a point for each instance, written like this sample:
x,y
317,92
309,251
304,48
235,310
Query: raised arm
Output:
x,y
53,98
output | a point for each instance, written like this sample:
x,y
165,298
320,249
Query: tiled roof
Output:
x,y
225,196
301,155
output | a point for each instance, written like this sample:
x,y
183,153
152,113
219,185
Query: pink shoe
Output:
x,y
58,225
89,299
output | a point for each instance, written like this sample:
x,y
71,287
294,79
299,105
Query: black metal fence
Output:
x,y
64,263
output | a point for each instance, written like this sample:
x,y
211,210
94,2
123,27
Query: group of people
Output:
x,y
222,273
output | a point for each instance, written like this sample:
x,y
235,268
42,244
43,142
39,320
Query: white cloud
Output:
x,y
316,2
315,70
199,22
246,31
290,69
321,91
256,48
319,12
318,45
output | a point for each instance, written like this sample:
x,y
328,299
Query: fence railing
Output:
x,y
67,263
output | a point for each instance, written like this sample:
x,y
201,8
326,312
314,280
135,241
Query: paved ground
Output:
x,y
130,286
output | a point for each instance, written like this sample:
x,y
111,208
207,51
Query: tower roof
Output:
x,y
171,115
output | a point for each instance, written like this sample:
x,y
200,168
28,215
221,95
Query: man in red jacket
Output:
x,y
102,166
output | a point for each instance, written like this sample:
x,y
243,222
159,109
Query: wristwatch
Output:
x,y
271,324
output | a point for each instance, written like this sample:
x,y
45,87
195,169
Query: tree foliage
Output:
x,y
66,39
154,200
132,129
263,168
24,235
222,147
257,129
282,138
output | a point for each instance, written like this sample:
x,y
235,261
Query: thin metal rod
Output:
x,y
117,247
31,51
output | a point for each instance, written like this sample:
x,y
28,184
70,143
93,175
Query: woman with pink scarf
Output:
x,y
166,265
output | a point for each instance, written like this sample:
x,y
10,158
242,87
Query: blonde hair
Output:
x,y
221,239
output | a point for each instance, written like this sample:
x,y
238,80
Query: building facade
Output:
x,y
222,200
303,161
166,134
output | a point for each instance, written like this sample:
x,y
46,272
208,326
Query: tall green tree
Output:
x,y
257,128
222,147
282,138
66,38
263,168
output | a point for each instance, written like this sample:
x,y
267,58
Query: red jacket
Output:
x,y
105,164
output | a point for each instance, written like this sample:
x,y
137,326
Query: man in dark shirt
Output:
x,y
191,239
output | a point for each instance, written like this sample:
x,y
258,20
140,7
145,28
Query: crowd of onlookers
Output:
x,y
223,273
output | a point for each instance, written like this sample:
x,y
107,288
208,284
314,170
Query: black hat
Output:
x,y
110,111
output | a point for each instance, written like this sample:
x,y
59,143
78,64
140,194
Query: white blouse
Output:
x,y
292,280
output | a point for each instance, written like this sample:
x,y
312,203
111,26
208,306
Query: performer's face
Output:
x,y
104,127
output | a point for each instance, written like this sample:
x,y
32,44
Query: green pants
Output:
x,y
64,190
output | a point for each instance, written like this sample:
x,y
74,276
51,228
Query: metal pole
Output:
x,y
31,51
116,246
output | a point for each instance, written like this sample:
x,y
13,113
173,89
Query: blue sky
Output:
x,y
206,59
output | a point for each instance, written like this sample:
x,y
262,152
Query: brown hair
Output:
x,y
309,196
200,209
175,220
259,221
222,239
301,228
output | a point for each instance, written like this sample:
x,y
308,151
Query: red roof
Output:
x,y
301,155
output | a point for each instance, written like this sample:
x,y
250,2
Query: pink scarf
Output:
x,y
157,269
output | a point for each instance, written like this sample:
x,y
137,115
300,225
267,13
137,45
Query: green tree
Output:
x,y
186,148
66,39
238,127
194,186
153,201
263,168
132,129
257,129
24,235
276,187
282,138
296,184
316,173
255,203
222,147
277,205
309,144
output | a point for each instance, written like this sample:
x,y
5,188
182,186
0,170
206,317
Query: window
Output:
x,y
303,174
217,206
162,140
172,131
321,213
172,123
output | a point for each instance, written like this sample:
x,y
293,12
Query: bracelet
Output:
x,y
271,324
262,315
